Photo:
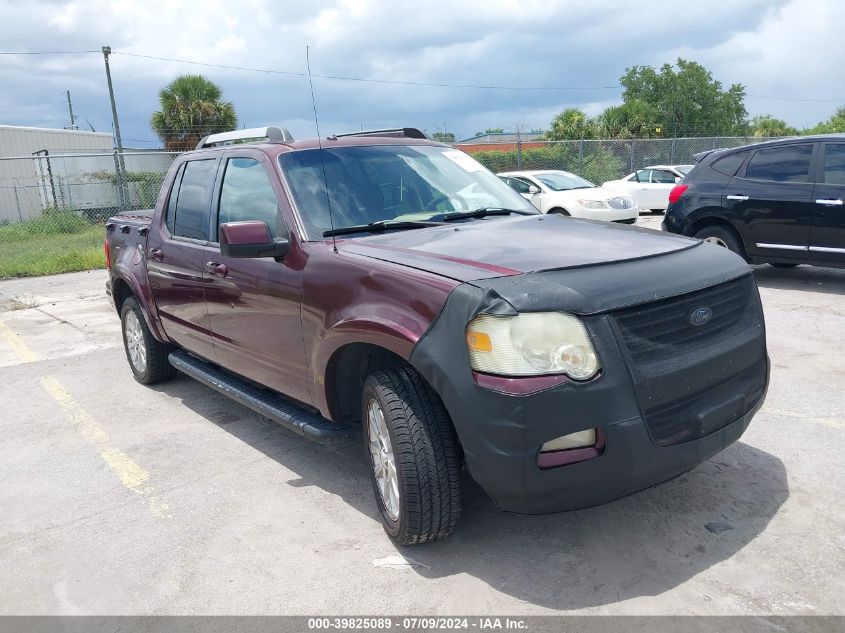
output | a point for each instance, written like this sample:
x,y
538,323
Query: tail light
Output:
x,y
677,192
107,251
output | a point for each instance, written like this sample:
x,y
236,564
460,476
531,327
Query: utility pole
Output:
x,y
118,141
72,125
121,192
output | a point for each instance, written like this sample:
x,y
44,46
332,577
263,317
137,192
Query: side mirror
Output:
x,y
251,239
677,179
533,189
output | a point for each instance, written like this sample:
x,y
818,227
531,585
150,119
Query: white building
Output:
x,y
28,184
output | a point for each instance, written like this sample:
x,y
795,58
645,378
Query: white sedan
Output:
x,y
650,186
555,191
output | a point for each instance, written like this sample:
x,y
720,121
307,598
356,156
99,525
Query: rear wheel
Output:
x,y
147,357
722,236
413,454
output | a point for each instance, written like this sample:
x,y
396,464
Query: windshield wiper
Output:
x,y
483,212
381,225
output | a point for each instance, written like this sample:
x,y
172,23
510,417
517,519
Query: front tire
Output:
x,y
414,457
723,236
147,357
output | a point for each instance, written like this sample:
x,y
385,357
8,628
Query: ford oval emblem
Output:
x,y
700,316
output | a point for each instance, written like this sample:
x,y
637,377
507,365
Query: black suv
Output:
x,y
779,202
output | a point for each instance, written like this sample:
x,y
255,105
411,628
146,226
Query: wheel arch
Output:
x,y
125,285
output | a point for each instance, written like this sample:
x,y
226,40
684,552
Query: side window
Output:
x,y
834,164
781,164
662,177
520,186
729,164
170,216
192,206
643,175
247,194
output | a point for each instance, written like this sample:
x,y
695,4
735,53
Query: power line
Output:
x,y
364,79
273,71
46,52
795,99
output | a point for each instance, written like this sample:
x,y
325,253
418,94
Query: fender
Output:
x,y
120,272
375,331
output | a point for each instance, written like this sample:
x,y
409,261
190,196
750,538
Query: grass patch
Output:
x,y
58,242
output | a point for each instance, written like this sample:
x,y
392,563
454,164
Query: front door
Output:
x,y
254,303
827,236
175,251
773,200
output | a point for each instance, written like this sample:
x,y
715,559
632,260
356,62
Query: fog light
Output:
x,y
572,448
573,440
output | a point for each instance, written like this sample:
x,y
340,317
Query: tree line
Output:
x,y
680,100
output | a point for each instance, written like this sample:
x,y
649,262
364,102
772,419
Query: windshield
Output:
x,y
684,169
379,183
562,180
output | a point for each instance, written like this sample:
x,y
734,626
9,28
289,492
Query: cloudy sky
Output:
x,y
548,54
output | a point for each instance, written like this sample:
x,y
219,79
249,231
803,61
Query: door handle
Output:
x,y
737,197
829,202
215,268
155,253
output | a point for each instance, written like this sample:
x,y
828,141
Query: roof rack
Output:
x,y
271,134
407,132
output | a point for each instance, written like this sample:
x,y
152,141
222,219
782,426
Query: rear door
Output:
x,y
254,304
175,250
771,202
827,235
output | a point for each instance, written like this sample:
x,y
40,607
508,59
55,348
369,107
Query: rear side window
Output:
x,y
781,164
192,205
247,194
170,217
834,164
729,164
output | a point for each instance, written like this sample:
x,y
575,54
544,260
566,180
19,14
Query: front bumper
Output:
x,y
501,433
608,215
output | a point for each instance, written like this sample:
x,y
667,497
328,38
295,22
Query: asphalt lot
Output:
x,y
123,499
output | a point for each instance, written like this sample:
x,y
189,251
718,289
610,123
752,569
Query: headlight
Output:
x,y
531,344
592,204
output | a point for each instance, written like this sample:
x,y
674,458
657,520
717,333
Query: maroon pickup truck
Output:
x,y
386,285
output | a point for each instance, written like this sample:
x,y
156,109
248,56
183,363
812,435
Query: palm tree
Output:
x,y
768,126
191,108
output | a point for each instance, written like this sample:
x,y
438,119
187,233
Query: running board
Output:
x,y
264,402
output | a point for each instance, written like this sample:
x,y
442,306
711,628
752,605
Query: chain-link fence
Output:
x,y
52,206
598,160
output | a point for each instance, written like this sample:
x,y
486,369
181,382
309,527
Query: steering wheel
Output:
x,y
431,206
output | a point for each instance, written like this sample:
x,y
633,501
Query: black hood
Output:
x,y
497,247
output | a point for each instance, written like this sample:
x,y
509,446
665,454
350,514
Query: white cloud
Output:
x,y
790,48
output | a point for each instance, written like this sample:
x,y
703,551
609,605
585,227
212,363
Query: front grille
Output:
x,y
694,375
621,203
652,329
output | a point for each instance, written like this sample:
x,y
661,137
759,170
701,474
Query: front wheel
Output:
x,y
413,455
147,357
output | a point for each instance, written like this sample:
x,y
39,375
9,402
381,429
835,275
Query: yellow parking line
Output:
x,y
131,475
16,343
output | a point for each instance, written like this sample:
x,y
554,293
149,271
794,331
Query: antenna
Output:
x,y
320,145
